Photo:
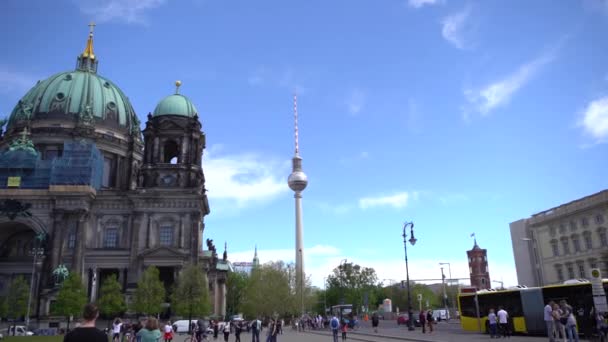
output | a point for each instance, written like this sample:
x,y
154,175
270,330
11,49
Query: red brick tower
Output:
x,y
478,267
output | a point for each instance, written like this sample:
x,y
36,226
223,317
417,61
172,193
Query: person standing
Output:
x,y
492,323
216,330
375,322
569,321
334,325
422,319
503,321
430,320
256,326
116,326
87,330
274,334
150,332
560,329
344,329
548,315
237,331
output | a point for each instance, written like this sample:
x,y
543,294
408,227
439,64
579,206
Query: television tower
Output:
x,y
297,182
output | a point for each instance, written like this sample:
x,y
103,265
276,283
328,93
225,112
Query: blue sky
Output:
x,y
461,116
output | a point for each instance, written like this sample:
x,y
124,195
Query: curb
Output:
x,y
359,335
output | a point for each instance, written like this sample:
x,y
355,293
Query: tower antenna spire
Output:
x,y
295,120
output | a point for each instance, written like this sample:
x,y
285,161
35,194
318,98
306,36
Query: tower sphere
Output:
x,y
297,181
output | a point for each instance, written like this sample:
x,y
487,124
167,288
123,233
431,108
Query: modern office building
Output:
x,y
562,243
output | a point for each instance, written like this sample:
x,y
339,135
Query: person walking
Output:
x,y
168,337
216,329
492,324
503,321
226,331
422,319
344,329
549,322
87,330
238,327
430,320
334,325
569,321
274,334
150,332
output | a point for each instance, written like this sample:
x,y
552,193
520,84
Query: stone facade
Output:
x,y
145,207
562,243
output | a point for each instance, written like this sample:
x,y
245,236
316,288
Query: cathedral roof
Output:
x,y
176,104
77,95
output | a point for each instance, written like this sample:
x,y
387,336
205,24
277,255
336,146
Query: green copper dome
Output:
x,y
175,104
80,96
78,93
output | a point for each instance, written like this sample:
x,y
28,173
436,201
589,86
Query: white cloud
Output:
x,y
398,200
595,119
422,3
498,93
355,101
129,11
15,81
453,26
243,179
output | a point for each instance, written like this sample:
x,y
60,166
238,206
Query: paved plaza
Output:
x,y
389,333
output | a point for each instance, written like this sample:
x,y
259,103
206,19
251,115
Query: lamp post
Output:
x,y
37,250
412,240
449,282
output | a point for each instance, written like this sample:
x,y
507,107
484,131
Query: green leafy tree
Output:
x,y
71,297
150,292
269,292
112,301
191,294
352,284
236,285
16,300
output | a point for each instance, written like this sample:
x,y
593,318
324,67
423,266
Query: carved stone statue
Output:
x,y
211,246
60,274
86,116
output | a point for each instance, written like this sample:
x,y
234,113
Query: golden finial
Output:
x,y
178,83
88,50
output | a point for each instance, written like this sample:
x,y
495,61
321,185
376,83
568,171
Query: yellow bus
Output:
x,y
526,306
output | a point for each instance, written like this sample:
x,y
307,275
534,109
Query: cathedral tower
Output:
x,y
478,267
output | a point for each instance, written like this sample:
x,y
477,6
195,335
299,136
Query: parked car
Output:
x,y
20,330
402,319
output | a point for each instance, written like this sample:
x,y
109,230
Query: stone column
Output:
x,y
56,240
184,149
216,297
222,292
78,256
156,153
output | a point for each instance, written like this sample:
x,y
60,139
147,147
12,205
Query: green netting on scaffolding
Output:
x,y
80,164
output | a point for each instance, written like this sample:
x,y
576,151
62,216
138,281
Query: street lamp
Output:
x,y
37,250
412,240
449,283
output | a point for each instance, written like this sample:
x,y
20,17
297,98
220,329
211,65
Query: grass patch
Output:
x,y
57,338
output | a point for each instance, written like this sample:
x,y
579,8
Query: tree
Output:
x,y
16,300
191,294
352,284
3,307
236,285
150,292
71,297
112,301
269,293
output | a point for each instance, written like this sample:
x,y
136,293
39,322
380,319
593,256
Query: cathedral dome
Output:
x,y
77,96
176,104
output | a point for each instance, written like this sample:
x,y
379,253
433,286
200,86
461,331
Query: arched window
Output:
x,y
171,151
